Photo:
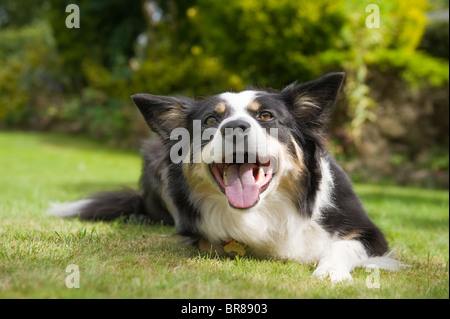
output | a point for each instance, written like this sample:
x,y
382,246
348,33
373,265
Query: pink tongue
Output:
x,y
241,188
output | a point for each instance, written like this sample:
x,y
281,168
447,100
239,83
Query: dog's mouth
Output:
x,y
242,183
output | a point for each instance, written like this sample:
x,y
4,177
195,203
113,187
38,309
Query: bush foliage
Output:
x,y
81,79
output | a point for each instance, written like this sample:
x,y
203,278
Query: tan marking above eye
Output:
x,y
254,106
220,108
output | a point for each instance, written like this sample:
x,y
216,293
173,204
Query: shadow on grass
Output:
x,y
417,208
91,188
411,199
85,143
439,224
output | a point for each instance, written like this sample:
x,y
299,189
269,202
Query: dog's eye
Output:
x,y
211,120
265,116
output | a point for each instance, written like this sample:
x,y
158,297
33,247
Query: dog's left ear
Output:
x,y
162,113
311,102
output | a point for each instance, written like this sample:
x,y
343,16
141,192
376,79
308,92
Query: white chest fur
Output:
x,y
272,229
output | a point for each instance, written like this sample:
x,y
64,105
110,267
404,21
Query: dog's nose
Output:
x,y
239,123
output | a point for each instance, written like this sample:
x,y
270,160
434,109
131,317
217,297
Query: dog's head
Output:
x,y
242,146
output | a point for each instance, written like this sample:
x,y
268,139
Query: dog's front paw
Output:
x,y
334,274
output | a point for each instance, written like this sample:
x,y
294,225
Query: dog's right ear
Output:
x,y
162,113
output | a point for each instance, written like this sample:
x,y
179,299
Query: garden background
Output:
x,y
391,121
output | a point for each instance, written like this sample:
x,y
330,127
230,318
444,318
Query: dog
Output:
x,y
249,172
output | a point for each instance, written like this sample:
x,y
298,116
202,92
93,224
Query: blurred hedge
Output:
x,y
79,80
29,81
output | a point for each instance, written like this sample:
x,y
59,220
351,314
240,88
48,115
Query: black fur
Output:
x,y
349,217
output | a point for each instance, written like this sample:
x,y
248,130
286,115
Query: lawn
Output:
x,y
42,256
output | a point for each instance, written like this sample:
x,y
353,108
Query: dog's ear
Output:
x,y
162,113
311,102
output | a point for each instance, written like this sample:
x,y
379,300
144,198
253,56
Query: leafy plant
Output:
x,y
27,77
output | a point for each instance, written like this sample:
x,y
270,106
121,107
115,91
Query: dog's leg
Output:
x,y
339,259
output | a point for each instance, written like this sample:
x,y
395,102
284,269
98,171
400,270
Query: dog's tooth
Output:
x,y
260,175
225,175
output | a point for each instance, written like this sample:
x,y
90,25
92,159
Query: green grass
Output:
x,y
133,260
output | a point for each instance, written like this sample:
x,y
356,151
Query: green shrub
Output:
x,y
81,79
27,76
271,43
194,74
435,41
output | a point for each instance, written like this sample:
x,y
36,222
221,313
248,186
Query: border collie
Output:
x,y
248,172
